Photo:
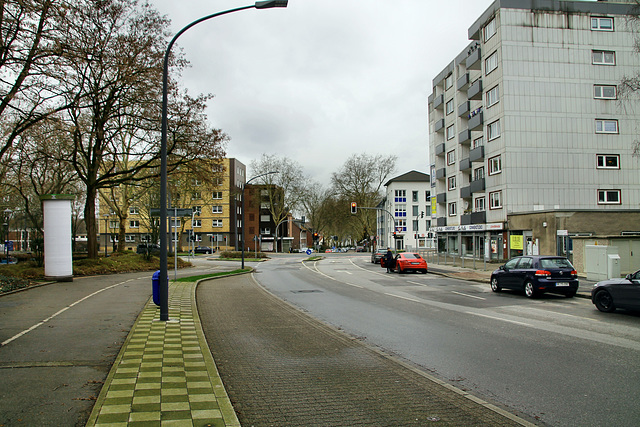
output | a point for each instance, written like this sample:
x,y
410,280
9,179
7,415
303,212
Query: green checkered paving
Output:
x,y
164,374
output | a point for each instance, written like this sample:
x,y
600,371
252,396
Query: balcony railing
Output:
x,y
477,185
475,90
475,122
438,102
463,82
463,109
439,126
473,60
464,137
440,149
465,164
476,154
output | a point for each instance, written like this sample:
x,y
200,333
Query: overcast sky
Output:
x,y
322,79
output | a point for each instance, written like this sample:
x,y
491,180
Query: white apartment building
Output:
x,y
405,210
530,143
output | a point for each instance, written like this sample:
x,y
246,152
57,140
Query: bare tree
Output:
x,y
114,56
286,188
360,180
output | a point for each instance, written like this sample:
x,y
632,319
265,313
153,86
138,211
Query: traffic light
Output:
x,y
315,236
354,207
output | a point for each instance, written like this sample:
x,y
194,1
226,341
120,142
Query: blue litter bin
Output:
x,y
155,284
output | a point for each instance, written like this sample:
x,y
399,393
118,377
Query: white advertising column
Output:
x,y
58,256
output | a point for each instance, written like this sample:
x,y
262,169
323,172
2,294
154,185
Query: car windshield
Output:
x,y
555,263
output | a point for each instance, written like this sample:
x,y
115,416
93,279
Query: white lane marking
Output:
x,y
467,295
403,297
59,312
343,271
499,318
354,285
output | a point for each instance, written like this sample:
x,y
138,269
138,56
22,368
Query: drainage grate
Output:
x,y
307,291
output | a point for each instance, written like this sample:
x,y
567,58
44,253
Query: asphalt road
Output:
x,y
555,359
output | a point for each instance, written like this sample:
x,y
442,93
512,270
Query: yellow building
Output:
x,y
215,204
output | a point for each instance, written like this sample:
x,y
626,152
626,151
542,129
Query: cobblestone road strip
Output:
x,y
280,367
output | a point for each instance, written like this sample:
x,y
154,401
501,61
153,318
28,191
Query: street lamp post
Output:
x,y
164,281
242,223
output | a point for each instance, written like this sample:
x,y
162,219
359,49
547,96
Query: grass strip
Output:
x,y
218,274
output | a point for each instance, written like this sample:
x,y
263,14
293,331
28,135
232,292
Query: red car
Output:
x,y
407,261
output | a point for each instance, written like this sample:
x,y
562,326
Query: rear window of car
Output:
x,y
555,263
412,256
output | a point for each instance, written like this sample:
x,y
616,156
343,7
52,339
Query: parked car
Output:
x,y
144,248
377,255
360,249
608,295
535,275
204,250
407,261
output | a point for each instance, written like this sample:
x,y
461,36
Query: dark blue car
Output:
x,y
535,275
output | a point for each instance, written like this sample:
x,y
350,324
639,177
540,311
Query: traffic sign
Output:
x,y
309,251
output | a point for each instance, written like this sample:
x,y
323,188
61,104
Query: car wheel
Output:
x,y
529,290
400,271
424,271
604,301
494,285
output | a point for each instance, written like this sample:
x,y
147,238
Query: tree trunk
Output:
x,y
90,221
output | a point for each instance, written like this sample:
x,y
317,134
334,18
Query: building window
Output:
x,y
608,161
415,210
217,195
478,204
448,81
197,210
264,192
415,225
493,130
478,173
196,223
605,91
606,126
134,223
133,210
491,63
145,238
196,195
495,200
265,231
451,157
265,205
492,96
490,29
130,238
601,24
265,218
478,142
216,209
452,209
495,165
449,107
451,132
195,182
609,197
216,223
414,196
401,211
401,225
603,57
400,196
451,183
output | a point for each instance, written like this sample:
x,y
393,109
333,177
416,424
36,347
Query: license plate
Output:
x,y
415,263
561,284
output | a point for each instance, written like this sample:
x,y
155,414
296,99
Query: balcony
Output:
x,y
464,137
475,122
473,60
465,164
441,198
478,217
477,185
441,173
438,102
463,109
439,125
441,222
475,90
440,149
463,82
465,192
465,219
476,154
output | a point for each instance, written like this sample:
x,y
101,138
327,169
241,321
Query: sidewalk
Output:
x,y
164,373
